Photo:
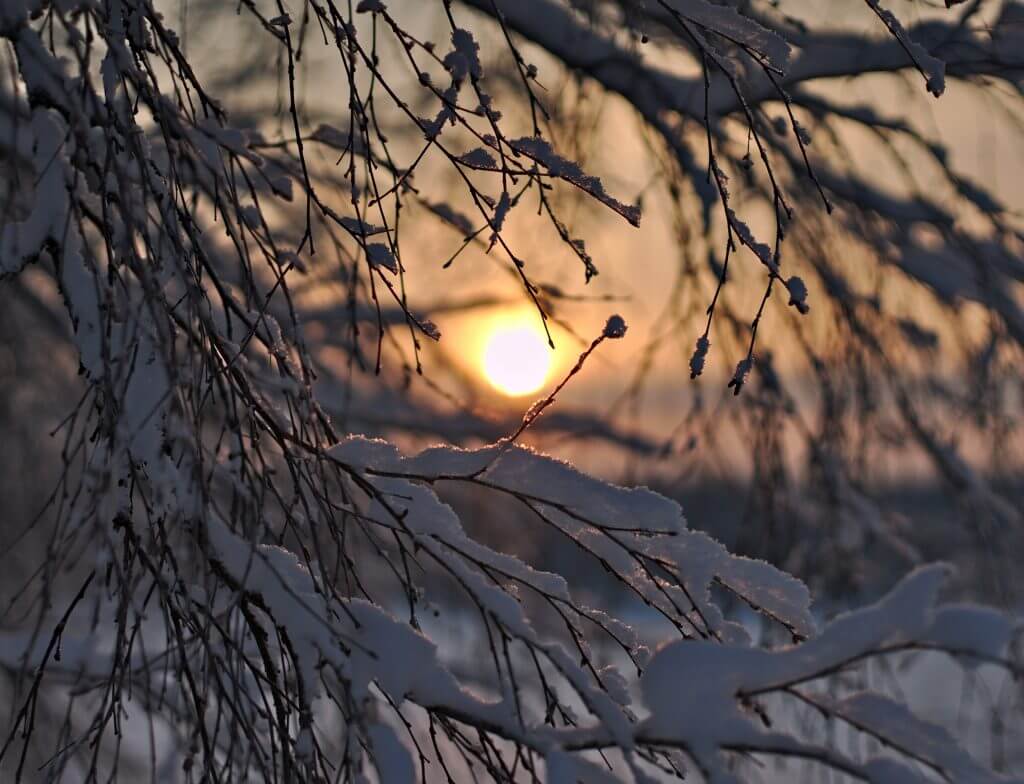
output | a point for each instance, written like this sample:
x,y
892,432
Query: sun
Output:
x,y
516,358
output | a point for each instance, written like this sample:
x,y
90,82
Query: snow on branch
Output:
x,y
540,151
274,597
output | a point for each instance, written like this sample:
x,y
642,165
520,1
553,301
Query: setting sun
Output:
x,y
516,358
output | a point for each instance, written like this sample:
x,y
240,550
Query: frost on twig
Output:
x,y
540,151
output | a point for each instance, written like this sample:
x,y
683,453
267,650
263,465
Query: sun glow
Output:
x,y
516,358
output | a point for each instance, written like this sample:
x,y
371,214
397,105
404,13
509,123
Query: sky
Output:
x,y
637,266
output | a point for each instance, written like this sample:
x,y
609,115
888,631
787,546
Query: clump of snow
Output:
x,y
479,158
746,236
380,256
982,632
699,356
432,128
615,327
359,228
430,329
500,213
739,376
464,59
797,294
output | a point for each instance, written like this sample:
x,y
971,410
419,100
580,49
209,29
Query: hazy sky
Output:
x,y
638,266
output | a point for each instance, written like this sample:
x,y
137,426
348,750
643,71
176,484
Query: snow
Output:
x,y
390,757
972,629
430,329
615,327
432,128
797,293
464,59
358,639
423,514
359,228
582,507
746,236
725,21
700,354
132,342
686,674
886,718
882,770
696,688
48,218
479,158
557,482
540,151
380,256
500,213
934,70
739,376
565,768
783,597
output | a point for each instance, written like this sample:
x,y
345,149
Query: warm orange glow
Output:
x,y
516,357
